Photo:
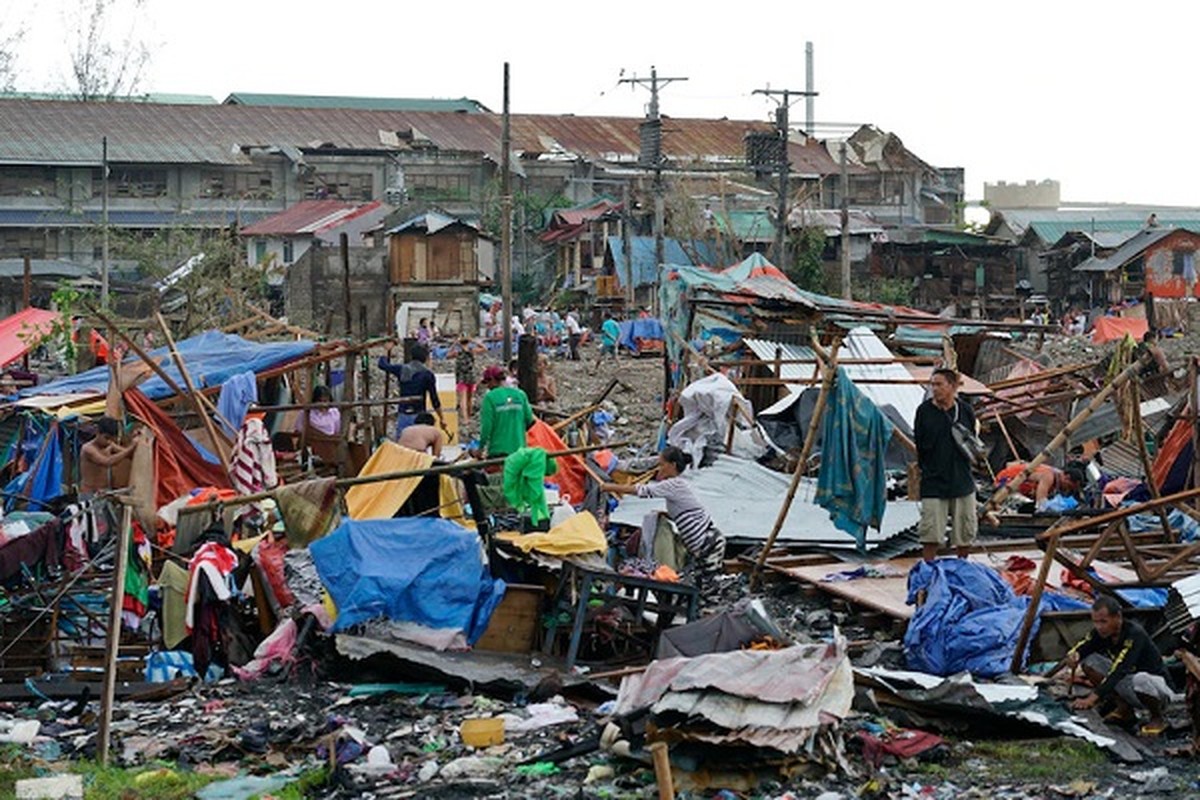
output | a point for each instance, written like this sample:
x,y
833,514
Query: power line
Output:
x,y
651,155
788,96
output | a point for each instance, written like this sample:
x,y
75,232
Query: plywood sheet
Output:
x,y
888,594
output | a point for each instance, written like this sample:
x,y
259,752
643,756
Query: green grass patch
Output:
x,y
300,788
154,782
1060,760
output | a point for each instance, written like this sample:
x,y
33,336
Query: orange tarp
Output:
x,y
571,477
22,331
1109,328
178,466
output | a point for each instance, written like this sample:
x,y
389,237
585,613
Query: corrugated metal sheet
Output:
x,y
1050,224
43,267
645,262
460,105
34,218
860,343
743,498
308,216
1126,252
55,132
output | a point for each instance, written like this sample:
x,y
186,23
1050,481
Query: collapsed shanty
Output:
x,y
248,543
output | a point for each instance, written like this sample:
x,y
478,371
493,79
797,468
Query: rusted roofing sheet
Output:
x,y
63,132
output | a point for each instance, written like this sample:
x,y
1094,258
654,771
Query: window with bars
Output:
x,y
438,187
18,242
339,185
27,182
237,184
131,182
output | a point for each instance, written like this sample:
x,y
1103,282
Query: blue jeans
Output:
x,y
403,421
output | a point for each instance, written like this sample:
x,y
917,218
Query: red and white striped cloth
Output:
x,y
253,462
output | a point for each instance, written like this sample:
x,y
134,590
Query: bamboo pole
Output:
x,y
1128,374
263,315
113,639
662,771
441,469
218,443
333,404
1144,457
1120,513
810,438
1037,377
1031,611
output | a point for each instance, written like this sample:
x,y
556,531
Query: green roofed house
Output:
x,y
462,104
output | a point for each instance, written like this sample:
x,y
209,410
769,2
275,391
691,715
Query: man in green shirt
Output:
x,y
504,416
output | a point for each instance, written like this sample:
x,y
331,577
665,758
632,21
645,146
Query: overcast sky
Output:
x,y
1094,97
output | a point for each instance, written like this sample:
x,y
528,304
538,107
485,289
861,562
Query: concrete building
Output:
x,y
1030,194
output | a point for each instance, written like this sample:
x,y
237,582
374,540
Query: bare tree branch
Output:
x,y
10,40
104,64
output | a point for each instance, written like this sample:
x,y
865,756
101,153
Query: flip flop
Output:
x,y
1118,717
1152,729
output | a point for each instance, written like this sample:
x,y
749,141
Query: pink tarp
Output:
x,y
22,331
1110,328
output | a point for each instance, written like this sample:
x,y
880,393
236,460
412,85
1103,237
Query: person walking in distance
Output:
x,y
947,486
574,334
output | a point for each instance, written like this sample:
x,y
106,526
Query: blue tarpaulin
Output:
x,y
645,261
410,569
970,620
211,358
648,328
43,451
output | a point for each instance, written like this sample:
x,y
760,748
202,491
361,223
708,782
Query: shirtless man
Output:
x,y
423,436
100,455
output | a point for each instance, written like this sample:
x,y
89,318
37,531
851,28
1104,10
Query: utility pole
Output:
x,y
845,243
627,245
651,155
506,227
784,167
809,94
104,222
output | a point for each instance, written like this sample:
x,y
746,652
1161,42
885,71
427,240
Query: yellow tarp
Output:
x,y
382,500
578,534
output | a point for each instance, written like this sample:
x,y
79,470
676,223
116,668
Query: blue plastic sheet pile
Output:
x,y
415,569
970,619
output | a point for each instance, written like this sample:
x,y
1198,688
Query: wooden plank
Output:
x,y
888,595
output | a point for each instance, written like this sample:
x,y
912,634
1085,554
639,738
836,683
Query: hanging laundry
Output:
x,y
524,473
309,509
137,578
852,483
238,393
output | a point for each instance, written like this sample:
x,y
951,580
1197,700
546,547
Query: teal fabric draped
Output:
x,y
852,483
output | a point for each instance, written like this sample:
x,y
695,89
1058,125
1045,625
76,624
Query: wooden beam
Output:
x,y
197,403
1128,374
113,635
809,440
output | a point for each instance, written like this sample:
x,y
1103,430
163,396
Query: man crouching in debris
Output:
x,y
1124,668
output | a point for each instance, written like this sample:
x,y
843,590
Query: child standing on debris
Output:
x,y
693,533
464,375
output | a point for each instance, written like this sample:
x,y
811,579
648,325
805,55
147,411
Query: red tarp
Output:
x,y
1109,328
571,476
178,466
22,331
1177,440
